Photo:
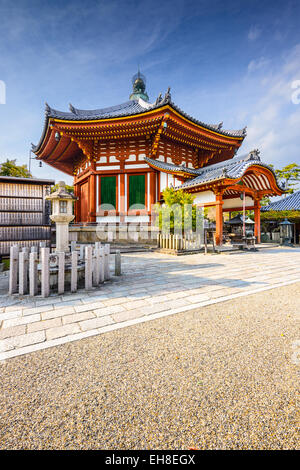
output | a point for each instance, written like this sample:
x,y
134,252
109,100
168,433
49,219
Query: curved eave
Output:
x,y
177,171
171,107
168,107
226,181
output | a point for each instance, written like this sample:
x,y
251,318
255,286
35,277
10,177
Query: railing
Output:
x,y
187,242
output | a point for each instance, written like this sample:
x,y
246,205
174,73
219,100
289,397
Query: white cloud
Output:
x,y
254,33
257,64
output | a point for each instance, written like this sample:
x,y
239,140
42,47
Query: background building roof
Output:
x,y
288,203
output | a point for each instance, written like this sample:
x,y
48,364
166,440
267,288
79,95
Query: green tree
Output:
x,y
69,189
10,168
290,174
178,211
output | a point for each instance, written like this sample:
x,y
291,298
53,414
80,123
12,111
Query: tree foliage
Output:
x,y
69,189
290,174
178,212
10,168
292,215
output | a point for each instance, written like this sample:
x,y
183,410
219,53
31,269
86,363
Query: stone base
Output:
x,y
121,234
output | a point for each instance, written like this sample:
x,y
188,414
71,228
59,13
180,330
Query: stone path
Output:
x,y
152,286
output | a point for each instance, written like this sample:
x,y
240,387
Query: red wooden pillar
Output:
x,y
152,191
122,197
257,219
77,202
219,219
92,198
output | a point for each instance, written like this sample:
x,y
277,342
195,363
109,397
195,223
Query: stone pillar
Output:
x,y
33,273
118,263
257,219
96,267
102,263
23,273
74,257
61,273
88,267
106,262
219,219
13,269
45,273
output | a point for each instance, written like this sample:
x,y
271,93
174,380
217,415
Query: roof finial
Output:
x,y
139,87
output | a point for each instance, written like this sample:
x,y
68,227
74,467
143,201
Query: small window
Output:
x,y
63,207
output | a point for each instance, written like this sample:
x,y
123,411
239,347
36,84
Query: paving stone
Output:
x,y
127,315
76,317
61,331
21,320
57,313
101,312
95,323
10,315
87,307
31,311
22,341
134,304
155,308
115,301
43,325
12,331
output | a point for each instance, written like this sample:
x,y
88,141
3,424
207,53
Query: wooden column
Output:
x,y
219,219
77,202
92,198
122,197
152,191
257,219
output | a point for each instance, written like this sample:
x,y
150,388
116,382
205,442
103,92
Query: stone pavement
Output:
x,y
153,285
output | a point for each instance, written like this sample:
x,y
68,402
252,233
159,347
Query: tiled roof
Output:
x,y
288,203
170,167
234,168
135,107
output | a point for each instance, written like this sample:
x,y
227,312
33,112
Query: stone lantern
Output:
x,y
62,215
286,232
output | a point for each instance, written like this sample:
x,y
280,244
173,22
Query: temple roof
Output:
x,y
230,169
132,107
289,203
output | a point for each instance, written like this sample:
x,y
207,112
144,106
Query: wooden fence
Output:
x,y
177,242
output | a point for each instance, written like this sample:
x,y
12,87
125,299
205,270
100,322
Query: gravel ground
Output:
x,y
220,377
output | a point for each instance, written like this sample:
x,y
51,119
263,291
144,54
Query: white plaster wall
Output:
x,y
205,196
137,218
237,202
108,167
163,181
108,219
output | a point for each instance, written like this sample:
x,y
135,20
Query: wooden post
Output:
x,y
45,273
88,267
23,272
219,219
13,269
257,219
92,198
33,273
118,263
74,258
61,272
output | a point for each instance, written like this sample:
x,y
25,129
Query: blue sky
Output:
x,y
231,61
